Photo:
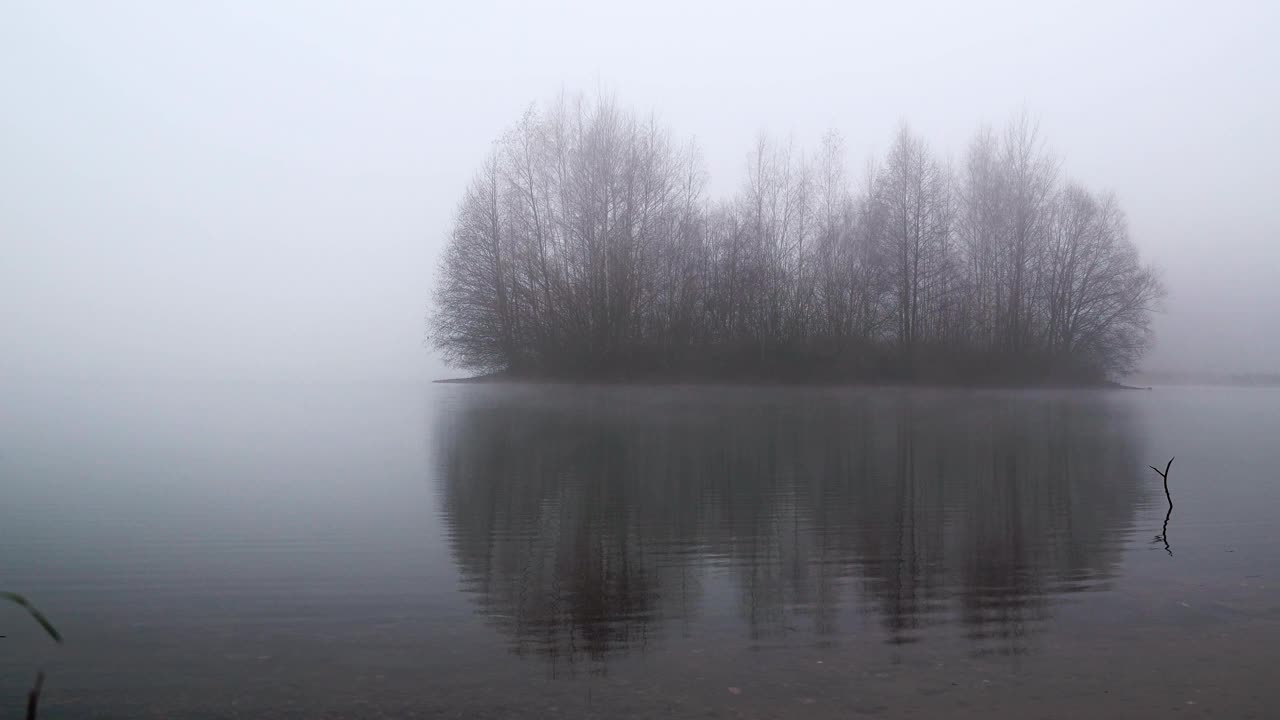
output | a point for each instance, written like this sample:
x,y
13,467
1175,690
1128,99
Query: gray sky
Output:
x,y
211,189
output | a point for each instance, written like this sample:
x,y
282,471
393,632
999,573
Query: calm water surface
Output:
x,y
313,551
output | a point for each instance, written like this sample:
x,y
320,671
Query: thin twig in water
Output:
x,y
1165,475
1164,531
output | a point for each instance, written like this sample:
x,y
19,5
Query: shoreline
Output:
x,y
502,378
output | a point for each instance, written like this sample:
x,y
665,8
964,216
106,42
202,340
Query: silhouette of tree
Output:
x,y
585,247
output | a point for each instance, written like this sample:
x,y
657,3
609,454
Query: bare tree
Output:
x,y
585,246
475,319
913,193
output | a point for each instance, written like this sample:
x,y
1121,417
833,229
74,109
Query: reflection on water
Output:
x,y
593,521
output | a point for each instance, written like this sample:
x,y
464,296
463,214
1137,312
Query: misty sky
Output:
x,y
262,188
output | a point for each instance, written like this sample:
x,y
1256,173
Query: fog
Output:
x,y
262,189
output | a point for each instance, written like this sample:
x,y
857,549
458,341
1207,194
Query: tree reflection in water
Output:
x,y
588,521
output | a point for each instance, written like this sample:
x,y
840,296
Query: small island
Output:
x,y
586,249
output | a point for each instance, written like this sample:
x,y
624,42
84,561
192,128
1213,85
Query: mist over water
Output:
x,y
305,550
225,479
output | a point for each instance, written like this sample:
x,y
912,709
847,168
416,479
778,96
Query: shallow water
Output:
x,y
293,550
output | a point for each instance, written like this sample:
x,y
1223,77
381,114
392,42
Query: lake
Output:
x,y
293,550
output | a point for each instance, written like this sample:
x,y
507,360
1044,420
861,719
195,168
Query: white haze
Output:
x,y
260,189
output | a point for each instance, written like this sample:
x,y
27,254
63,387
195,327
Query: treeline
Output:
x,y
586,247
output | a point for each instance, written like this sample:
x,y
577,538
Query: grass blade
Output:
x,y
39,617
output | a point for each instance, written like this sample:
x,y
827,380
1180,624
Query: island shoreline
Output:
x,y
503,378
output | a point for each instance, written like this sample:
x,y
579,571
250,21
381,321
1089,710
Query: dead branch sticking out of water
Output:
x,y
1165,475
1164,531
